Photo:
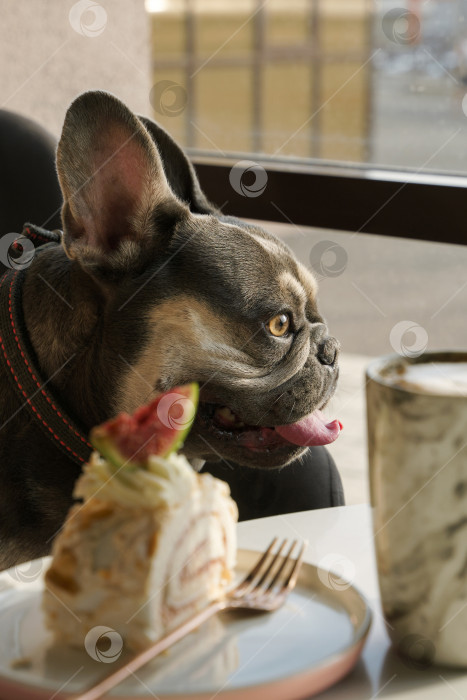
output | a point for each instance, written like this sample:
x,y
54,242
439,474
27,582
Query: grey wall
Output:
x,y
46,59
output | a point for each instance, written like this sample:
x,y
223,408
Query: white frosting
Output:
x,y
165,482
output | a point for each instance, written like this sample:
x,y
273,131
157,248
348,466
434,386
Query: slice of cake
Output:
x,y
152,543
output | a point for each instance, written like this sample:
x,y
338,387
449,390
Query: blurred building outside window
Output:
x,y
380,82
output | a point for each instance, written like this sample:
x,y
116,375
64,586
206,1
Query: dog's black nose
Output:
x,y
328,350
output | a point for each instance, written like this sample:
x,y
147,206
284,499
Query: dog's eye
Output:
x,y
279,325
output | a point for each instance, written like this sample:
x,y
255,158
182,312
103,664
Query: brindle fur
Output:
x,y
158,288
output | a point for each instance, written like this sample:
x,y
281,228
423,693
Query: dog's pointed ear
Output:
x,y
113,183
179,171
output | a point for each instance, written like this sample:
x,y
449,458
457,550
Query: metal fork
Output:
x,y
264,588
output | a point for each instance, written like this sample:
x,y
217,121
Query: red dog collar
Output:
x,y
16,352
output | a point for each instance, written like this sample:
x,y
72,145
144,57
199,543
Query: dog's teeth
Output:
x,y
226,416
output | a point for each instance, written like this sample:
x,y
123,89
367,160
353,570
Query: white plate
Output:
x,y
304,647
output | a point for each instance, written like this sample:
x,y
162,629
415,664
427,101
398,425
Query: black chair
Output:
x,y
29,189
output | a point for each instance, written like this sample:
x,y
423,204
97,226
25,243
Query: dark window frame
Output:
x,y
366,199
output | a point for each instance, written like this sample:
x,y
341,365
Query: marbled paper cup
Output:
x,y
417,437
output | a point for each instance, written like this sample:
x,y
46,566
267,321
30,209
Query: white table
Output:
x,y
347,531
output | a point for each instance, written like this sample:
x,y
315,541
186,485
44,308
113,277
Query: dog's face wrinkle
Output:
x,y
286,285
231,266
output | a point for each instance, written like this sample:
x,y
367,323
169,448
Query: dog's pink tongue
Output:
x,y
311,430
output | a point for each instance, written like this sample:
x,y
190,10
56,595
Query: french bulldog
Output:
x,y
153,287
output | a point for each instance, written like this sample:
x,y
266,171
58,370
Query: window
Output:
x,y
339,80
366,99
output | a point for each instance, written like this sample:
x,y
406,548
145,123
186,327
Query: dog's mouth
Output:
x,y
224,424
